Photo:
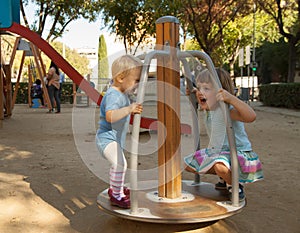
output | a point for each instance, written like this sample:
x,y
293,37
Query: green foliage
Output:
x,y
67,93
192,44
280,95
286,14
22,96
103,66
223,36
80,63
134,21
207,21
272,61
265,28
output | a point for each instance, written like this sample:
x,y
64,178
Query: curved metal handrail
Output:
x,y
229,127
136,126
193,100
137,119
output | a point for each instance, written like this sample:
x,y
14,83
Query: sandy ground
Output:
x,y
46,187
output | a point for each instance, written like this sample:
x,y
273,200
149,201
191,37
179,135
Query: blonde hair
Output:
x,y
205,77
123,65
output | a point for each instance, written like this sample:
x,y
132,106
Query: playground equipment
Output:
x,y
56,58
170,199
9,22
35,69
77,78
9,12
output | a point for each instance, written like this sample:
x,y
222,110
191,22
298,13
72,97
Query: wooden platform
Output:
x,y
206,204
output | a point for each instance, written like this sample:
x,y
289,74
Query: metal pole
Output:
x,y
193,100
136,132
229,126
253,52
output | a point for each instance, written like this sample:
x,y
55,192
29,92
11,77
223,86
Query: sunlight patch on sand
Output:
x,y
59,188
11,153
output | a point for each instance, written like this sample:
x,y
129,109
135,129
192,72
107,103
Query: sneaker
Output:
x,y
123,203
221,185
241,193
125,190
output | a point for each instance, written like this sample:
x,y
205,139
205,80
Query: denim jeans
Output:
x,y
54,94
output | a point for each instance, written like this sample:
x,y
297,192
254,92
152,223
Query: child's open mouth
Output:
x,y
203,101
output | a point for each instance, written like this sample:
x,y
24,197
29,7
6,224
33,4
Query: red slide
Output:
x,y
57,59
72,73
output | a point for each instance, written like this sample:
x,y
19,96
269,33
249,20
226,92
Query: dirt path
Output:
x,y
46,187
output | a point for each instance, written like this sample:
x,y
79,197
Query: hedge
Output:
x,y
22,97
280,95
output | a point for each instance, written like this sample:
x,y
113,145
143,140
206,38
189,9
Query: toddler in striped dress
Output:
x,y
215,159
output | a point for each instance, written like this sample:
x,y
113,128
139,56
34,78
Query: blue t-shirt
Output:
x,y
109,132
216,129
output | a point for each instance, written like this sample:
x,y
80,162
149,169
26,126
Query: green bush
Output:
x,y
280,95
67,93
22,96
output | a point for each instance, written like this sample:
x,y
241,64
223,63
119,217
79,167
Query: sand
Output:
x,y
46,185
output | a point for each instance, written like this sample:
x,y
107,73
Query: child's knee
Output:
x,y
220,168
189,169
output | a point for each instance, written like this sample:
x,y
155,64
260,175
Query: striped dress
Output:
x,y
218,150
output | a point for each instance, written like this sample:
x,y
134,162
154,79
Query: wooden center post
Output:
x,y
168,108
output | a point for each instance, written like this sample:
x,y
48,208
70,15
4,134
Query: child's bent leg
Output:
x,y
114,153
189,169
223,172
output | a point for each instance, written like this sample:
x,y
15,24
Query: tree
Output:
x,y
134,21
80,63
286,14
59,13
208,20
273,62
128,20
239,34
102,59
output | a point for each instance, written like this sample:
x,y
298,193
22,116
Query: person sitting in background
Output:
x,y
37,91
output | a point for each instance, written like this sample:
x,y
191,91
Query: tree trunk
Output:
x,y
292,61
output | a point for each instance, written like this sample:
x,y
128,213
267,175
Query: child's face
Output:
x,y
206,95
130,82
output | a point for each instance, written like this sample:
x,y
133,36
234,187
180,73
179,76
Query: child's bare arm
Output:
x,y
241,111
117,114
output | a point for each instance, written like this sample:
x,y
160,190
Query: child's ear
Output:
x,y
119,78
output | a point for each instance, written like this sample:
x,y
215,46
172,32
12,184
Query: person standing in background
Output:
x,y
53,86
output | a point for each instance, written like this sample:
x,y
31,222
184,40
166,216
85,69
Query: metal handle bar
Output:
x,y
136,127
229,127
